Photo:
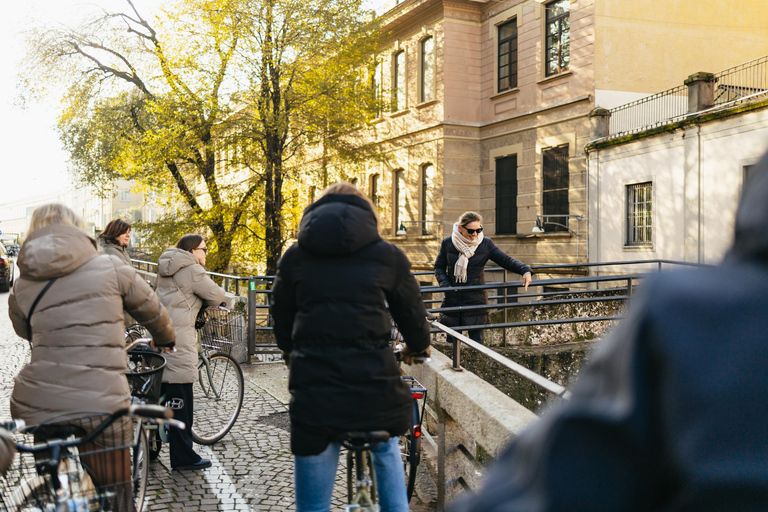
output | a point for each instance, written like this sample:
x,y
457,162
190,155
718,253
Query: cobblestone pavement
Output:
x,y
252,466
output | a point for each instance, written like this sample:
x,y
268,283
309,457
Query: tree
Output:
x,y
213,101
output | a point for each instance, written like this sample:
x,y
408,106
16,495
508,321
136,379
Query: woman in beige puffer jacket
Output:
x,y
183,288
76,331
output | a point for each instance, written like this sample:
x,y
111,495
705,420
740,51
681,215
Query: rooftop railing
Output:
x,y
729,88
646,113
742,81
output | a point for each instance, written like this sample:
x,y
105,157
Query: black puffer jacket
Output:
x,y
329,309
487,250
669,414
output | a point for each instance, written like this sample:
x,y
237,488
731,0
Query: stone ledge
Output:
x,y
488,415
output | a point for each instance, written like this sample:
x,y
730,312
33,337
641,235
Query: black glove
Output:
x,y
286,358
408,357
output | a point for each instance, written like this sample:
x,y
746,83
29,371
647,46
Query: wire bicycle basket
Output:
x,y
31,483
145,374
223,330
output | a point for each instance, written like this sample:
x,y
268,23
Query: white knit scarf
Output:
x,y
466,250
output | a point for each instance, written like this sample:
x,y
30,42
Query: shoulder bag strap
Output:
x,y
182,293
34,305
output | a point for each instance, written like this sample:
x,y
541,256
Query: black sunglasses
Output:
x,y
204,249
473,231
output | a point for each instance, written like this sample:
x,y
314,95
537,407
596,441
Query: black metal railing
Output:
x,y
656,110
505,295
746,80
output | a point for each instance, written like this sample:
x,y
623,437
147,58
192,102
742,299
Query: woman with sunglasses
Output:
x,y
461,262
183,288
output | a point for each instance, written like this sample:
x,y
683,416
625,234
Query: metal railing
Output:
x,y
505,296
743,81
519,369
656,110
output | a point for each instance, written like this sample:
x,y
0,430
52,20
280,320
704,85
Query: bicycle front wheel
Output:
x,y
140,469
218,398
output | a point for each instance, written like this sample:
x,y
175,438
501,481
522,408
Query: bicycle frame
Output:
x,y
364,484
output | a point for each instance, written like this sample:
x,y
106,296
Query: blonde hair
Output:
x,y
346,188
468,217
52,214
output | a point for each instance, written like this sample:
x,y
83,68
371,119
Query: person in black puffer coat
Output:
x,y
461,262
329,305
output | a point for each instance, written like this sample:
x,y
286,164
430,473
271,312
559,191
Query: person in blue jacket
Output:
x,y
461,262
670,414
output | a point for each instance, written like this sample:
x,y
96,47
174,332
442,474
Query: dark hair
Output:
x,y
114,229
189,242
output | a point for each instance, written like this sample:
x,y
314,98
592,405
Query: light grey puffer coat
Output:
x,y
183,286
77,334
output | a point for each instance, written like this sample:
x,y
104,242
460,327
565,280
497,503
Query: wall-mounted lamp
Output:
x,y
401,231
539,227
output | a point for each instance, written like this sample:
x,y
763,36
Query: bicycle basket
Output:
x,y
223,329
29,484
145,374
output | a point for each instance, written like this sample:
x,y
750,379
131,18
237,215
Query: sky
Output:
x,y
33,158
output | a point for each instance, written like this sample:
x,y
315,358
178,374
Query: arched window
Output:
x,y
427,199
427,69
398,82
374,190
399,209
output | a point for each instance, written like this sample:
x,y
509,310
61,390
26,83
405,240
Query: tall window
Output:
x,y
124,195
508,56
399,206
375,190
555,185
398,82
639,214
427,199
558,45
376,86
427,69
506,195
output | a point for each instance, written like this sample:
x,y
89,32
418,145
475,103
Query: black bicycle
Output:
x,y
76,463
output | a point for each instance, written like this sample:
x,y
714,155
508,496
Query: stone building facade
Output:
x,y
488,108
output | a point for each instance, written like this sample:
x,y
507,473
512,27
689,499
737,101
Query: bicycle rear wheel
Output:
x,y
218,398
140,469
410,450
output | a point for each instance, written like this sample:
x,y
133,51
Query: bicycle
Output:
x,y
60,471
361,476
218,397
410,442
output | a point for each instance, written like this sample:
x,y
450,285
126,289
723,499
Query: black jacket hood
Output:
x,y
337,225
751,236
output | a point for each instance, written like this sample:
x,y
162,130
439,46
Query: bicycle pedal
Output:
x,y
176,403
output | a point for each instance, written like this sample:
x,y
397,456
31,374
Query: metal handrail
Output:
x,y
519,369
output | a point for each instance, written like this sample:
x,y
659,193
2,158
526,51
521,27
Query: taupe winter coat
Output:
x,y
115,249
77,333
182,286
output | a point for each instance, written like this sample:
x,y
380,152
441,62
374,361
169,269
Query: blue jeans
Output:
x,y
313,478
